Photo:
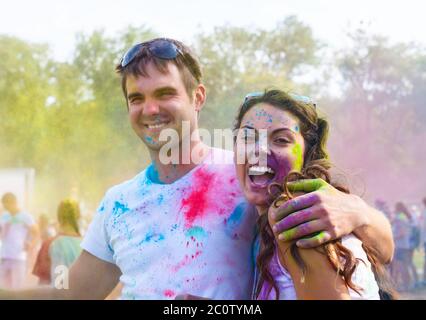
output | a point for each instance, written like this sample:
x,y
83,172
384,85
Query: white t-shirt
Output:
x,y
193,236
363,276
14,231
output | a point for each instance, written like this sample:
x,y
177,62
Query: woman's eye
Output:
x,y
282,140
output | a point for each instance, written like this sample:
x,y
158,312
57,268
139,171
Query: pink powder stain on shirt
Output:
x,y
208,194
169,293
186,260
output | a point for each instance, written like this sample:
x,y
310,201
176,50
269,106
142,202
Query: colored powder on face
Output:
x,y
149,140
296,128
298,157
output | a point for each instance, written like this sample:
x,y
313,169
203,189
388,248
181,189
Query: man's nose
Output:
x,y
150,108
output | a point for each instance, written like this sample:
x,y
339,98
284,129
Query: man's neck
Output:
x,y
14,212
169,173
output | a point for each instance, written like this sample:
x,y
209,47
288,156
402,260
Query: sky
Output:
x,y
56,22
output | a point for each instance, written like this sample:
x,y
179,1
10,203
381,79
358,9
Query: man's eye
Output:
x,y
135,100
166,95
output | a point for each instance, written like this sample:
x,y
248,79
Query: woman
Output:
x,y
63,249
294,146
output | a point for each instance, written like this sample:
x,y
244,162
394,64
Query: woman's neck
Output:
x,y
68,231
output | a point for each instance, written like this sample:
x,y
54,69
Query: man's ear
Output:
x,y
199,97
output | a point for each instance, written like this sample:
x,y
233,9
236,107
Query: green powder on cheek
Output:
x,y
298,157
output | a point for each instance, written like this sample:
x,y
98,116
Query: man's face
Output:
x,y
157,102
9,204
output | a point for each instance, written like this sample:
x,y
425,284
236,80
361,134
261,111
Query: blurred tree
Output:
x,y
237,61
383,98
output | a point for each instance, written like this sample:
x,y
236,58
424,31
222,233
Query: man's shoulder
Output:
x,y
127,185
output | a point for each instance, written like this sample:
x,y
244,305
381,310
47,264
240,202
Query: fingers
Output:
x,y
302,230
295,204
294,219
306,185
315,241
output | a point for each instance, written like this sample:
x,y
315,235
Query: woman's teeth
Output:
x,y
256,170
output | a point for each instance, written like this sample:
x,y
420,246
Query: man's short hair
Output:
x,y
8,197
187,64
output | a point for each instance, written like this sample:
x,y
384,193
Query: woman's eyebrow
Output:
x,y
284,129
247,127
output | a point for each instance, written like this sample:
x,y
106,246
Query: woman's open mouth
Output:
x,y
261,176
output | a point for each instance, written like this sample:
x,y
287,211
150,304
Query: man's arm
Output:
x,y
33,236
89,278
334,214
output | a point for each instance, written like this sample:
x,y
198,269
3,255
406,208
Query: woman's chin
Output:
x,y
258,200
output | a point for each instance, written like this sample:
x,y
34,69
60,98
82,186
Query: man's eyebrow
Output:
x,y
134,95
164,90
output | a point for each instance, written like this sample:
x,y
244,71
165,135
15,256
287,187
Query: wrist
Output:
x,y
361,211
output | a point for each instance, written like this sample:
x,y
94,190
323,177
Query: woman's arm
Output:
x,y
334,214
320,281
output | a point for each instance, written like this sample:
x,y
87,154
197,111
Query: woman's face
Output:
x,y
283,145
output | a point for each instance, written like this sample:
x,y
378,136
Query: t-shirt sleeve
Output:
x,y
28,220
96,240
363,276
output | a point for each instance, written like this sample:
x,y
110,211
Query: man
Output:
x,y
18,234
184,228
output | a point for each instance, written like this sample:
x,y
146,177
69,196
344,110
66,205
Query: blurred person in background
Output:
x,y
62,249
46,228
405,273
18,234
423,226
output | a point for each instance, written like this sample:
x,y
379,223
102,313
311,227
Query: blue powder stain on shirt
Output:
x,y
196,232
235,218
119,208
160,199
152,236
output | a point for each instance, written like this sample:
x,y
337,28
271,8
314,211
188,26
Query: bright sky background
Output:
x,y
57,21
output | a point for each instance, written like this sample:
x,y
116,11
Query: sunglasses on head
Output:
x,y
297,97
160,48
